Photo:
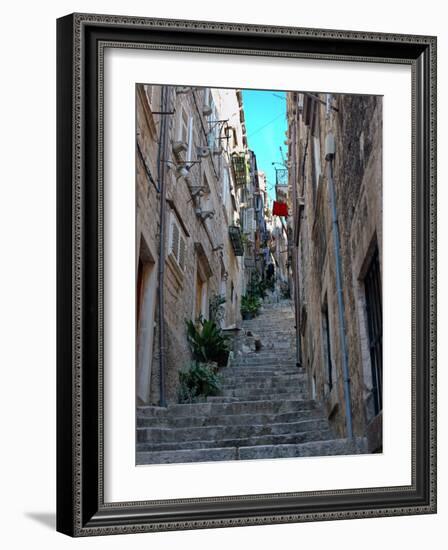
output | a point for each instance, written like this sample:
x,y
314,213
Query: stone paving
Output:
x,y
264,410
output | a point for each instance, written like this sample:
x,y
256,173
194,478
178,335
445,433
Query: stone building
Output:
x,y
335,193
192,206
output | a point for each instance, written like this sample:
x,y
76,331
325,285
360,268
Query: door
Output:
x,y
145,310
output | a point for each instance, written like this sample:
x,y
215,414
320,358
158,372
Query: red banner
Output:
x,y
280,209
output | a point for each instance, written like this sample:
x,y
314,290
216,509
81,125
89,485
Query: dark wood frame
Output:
x,y
81,510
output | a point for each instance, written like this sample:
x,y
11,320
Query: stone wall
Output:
x,y
355,122
201,207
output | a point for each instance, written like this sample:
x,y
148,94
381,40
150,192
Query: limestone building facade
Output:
x,y
193,205
335,197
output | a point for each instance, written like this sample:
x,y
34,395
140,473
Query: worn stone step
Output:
x,y
220,433
282,323
309,449
240,376
271,384
185,456
249,441
317,448
246,371
283,327
248,419
254,397
266,367
264,391
260,370
264,363
260,394
241,407
267,354
262,359
268,361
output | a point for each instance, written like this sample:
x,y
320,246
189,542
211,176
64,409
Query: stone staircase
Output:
x,y
264,410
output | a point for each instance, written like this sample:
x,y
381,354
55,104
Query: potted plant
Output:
x,y
250,305
207,342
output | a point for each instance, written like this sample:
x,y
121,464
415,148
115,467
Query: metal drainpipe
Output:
x,y
161,168
342,336
295,255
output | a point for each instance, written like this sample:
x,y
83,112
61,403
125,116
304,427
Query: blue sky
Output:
x,y
265,114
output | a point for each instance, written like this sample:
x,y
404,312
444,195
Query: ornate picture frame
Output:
x,y
81,507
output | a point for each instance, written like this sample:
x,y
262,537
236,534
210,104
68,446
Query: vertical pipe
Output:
x,y
340,296
161,168
295,255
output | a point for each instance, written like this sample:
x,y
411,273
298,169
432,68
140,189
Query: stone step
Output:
x,y
241,407
283,318
264,394
316,448
260,396
266,358
262,371
244,378
184,456
233,383
271,324
283,367
220,433
248,441
262,365
248,419
266,355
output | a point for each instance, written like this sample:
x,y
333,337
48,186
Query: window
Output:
x,y
226,198
328,101
190,139
183,125
248,220
201,302
206,110
213,125
328,360
317,168
177,243
372,286
149,94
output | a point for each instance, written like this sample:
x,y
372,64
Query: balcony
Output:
x,y
236,240
240,170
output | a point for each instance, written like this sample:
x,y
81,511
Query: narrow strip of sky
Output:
x,y
265,115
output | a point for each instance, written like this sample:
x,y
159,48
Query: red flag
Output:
x,y
280,209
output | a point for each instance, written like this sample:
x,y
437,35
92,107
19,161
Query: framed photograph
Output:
x,y
246,274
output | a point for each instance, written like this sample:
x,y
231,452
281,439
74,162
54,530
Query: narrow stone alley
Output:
x,y
264,408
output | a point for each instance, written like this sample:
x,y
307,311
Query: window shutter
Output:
x,y
250,219
190,138
175,240
148,91
182,125
182,247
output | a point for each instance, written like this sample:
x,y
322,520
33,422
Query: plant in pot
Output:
x,y
197,381
207,342
250,305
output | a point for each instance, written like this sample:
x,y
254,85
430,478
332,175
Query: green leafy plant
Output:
x,y
207,342
257,286
198,381
250,305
